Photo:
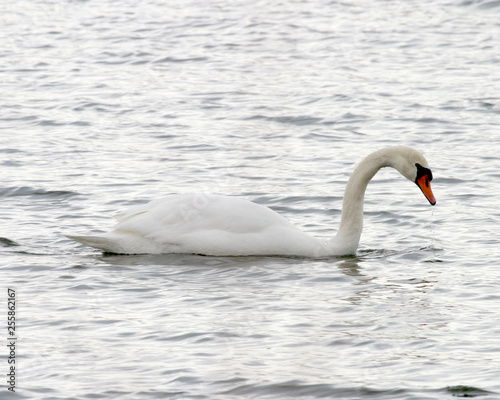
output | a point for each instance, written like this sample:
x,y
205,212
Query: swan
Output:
x,y
228,226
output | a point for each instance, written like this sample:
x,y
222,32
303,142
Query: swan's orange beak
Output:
x,y
425,186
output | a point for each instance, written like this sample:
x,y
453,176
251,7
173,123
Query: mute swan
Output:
x,y
228,226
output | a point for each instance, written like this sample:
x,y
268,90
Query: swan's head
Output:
x,y
413,166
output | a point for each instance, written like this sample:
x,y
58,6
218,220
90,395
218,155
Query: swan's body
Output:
x,y
230,226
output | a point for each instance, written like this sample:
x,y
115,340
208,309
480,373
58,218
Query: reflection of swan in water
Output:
x,y
351,267
230,226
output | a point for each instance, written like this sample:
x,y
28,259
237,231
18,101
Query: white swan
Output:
x,y
229,226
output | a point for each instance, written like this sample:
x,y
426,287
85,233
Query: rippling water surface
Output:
x,y
109,104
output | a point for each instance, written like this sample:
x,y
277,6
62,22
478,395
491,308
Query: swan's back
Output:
x,y
203,224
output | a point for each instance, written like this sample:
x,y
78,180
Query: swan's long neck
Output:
x,y
351,222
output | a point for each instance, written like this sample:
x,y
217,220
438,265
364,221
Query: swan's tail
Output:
x,y
97,242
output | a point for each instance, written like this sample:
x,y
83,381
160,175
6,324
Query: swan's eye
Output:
x,y
423,171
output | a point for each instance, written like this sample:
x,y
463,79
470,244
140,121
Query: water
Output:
x,y
106,105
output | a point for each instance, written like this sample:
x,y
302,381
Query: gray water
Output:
x,y
109,104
